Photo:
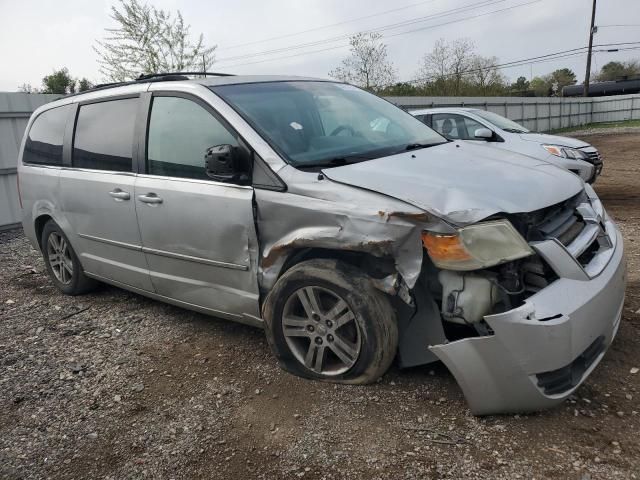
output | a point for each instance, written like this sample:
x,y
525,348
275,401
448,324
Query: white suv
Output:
x,y
481,125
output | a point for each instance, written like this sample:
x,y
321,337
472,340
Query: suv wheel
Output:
x,y
325,320
62,262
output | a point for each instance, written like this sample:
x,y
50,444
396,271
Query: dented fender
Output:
x,y
329,215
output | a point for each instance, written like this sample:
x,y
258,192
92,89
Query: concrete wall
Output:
x,y
539,113
15,110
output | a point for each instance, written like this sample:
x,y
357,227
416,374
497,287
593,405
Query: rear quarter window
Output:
x,y
103,138
44,142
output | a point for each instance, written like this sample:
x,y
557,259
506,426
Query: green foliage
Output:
x,y
520,87
541,86
59,82
149,40
551,84
84,85
617,70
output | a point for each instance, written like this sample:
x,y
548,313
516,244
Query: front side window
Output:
x,y
313,123
44,142
455,127
104,133
180,132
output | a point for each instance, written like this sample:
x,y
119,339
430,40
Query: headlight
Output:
x,y
565,152
477,246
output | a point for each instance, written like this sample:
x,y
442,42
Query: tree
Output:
x,y
520,86
561,78
541,86
401,89
453,68
149,40
484,76
552,83
368,65
59,82
27,88
84,85
443,68
616,70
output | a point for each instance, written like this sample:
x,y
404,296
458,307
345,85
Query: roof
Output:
x,y
442,109
236,79
126,88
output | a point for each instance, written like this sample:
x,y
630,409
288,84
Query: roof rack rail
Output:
x,y
153,77
173,75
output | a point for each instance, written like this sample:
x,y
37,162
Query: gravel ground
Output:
x,y
113,385
595,130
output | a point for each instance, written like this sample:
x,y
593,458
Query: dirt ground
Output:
x,y
113,385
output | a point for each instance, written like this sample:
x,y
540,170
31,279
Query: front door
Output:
x,y
198,235
97,193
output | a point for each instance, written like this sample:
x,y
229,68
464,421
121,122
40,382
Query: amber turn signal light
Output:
x,y
444,248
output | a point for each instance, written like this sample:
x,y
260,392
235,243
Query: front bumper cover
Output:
x,y
551,332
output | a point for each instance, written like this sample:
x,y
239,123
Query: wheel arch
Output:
x,y
39,224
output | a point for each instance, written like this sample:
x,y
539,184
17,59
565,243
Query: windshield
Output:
x,y
326,123
501,122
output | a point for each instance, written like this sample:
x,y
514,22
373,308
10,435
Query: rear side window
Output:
x,y
104,133
180,132
44,142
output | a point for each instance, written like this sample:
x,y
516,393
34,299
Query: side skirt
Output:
x,y
245,319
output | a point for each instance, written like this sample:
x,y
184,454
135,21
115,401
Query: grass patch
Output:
x,y
597,126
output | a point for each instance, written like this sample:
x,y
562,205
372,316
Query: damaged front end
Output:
x,y
519,306
525,334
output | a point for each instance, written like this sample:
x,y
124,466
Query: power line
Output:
x,y
391,26
471,17
532,60
288,35
620,25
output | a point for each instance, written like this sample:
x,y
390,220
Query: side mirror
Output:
x,y
484,133
222,163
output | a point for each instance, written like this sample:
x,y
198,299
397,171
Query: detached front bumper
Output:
x,y
543,350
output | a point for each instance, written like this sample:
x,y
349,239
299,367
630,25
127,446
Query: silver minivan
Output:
x,y
473,124
350,231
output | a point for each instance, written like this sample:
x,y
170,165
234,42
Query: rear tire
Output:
x,y
62,263
325,320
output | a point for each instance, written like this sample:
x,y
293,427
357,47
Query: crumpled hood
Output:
x,y
463,182
543,138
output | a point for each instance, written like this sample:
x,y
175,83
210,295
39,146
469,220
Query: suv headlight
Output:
x,y
476,246
565,152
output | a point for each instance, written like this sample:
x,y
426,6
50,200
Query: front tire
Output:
x,y
62,262
325,320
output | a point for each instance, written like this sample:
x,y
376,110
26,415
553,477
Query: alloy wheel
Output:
x,y
321,330
59,255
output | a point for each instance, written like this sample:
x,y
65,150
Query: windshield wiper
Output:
x,y
334,162
417,146
514,130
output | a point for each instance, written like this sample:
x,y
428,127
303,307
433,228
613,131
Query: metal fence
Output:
x,y
15,110
540,114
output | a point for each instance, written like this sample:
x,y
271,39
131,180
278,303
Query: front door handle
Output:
x,y
119,194
151,198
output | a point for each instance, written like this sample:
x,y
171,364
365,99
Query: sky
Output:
x,y
38,36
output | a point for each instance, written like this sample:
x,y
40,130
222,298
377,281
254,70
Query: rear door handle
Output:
x,y
119,194
151,198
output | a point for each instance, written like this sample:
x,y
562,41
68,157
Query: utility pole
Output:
x,y
591,32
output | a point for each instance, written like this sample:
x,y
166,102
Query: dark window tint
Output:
x,y
180,132
104,135
44,143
